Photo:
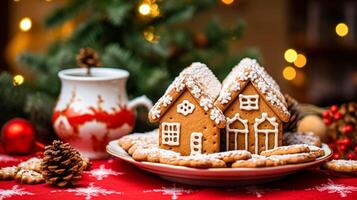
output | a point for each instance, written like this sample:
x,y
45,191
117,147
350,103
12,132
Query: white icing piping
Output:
x,y
272,121
236,131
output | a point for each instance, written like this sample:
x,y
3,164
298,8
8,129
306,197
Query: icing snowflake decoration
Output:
x,y
14,191
89,192
331,187
206,104
224,97
103,172
155,112
173,191
217,116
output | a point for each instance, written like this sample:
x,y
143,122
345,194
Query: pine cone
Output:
x,y
295,114
87,57
62,165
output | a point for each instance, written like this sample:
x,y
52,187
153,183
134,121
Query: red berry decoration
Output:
x,y
343,148
327,121
326,114
334,108
18,136
351,156
337,116
336,156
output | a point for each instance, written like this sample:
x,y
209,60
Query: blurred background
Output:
x,y
308,46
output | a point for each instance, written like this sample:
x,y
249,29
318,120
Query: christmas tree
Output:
x,y
149,38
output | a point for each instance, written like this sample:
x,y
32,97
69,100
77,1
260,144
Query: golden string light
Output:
x,y
289,73
150,36
25,24
300,61
18,80
227,2
149,8
341,29
290,55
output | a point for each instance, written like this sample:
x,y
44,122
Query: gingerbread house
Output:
x,y
254,108
189,122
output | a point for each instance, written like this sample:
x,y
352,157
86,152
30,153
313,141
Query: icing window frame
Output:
x,y
236,131
249,102
170,133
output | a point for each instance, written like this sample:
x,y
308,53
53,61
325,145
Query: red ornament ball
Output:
x,y
18,136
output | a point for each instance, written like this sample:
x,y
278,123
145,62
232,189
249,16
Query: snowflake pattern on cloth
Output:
x,y
331,187
14,191
173,191
103,172
258,191
89,192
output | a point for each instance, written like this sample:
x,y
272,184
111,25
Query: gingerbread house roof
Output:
x,y
249,70
203,85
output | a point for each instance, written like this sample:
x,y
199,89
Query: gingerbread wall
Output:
x,y
251,115
198,121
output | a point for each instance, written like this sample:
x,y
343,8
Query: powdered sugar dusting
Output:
x,y
249,70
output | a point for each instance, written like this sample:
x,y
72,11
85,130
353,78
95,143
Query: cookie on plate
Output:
x,y
316,151
254,162
346,166
152,154
294,158
144,138
296,148
8,173
196,161
308,138
231,156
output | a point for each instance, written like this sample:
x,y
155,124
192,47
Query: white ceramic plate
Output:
x,y
216,176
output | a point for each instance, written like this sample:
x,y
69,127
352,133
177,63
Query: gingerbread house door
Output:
x,y
257,131
230,130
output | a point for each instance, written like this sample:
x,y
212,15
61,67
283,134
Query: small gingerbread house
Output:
x,y
189,122
254,108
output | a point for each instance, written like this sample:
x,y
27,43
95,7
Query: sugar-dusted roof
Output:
x,y
204,86
249,70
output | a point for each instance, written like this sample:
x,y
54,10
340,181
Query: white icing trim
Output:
x,y
236,131
196,137
185,108
170,133
249,102
272,121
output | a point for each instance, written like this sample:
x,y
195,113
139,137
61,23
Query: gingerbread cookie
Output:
x,y
272,161
196,161
29,176
31,164
232,156
8,173
316,151
294,158
144,138
297,148
254,162
308,138
140,145
346,166
152,154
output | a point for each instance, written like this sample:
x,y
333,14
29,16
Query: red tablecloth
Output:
x,y
115,179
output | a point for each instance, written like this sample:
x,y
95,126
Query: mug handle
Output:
x,y
140,101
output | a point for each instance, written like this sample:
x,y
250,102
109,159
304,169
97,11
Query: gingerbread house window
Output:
x,y
249,102
170,133
196,143
266,132
185,108
236,131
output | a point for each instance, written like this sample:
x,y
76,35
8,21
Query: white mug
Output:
x,y
92,110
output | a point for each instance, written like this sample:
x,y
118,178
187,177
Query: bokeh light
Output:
x,y
144,9
300,61
18,80
290,55
341,29
289,73
25,24
227,2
